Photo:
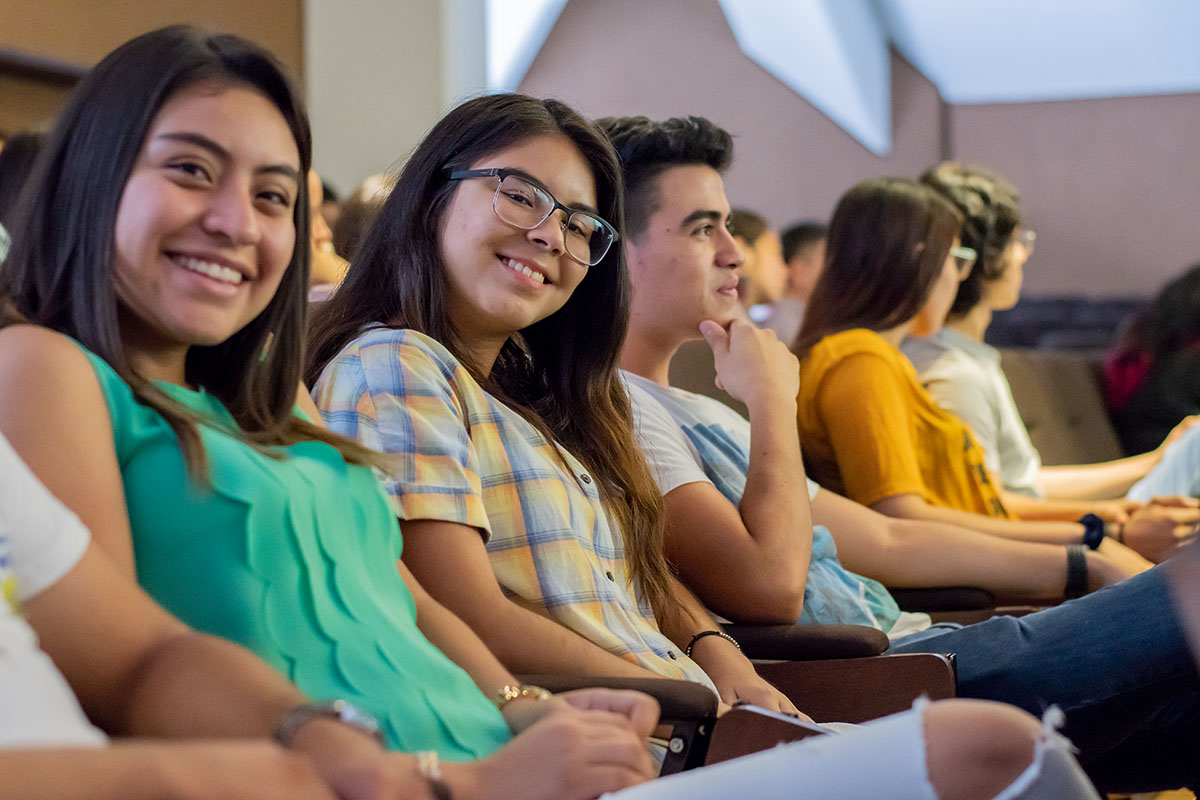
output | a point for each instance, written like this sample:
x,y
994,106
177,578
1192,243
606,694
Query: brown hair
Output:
x,y
887,243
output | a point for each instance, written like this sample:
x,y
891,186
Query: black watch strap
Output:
x,y
1077,571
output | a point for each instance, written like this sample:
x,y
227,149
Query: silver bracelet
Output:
x,y
429,768
335,710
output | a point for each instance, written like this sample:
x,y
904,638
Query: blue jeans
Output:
x,y
1115,661
1177,473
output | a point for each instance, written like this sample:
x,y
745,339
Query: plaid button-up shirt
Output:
x,y
462,456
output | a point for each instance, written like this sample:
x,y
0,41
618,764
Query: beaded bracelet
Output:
x,y
688,650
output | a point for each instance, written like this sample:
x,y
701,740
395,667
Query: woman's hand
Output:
x,y
575,755
1118,510
735,677
639,710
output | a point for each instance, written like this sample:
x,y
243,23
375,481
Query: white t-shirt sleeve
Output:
x,y
672,458
45,537
960,386
813,487
40,541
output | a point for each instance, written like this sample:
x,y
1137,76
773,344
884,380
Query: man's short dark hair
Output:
x,y
800,237
649,148
747,225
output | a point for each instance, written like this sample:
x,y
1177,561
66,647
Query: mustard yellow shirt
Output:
x,y
870,431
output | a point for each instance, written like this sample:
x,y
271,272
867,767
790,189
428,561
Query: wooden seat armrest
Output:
x,y
861,689
807,642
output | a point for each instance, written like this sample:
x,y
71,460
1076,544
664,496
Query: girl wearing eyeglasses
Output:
x,y
475,340
964,376
870,430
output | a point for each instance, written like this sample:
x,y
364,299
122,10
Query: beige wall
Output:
x,y
75,34
1110,185
82,31
678,57
380,73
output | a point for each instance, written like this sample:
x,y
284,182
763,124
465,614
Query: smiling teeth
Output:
x,y
524,270
214,271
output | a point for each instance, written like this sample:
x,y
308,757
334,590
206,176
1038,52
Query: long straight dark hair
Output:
x,y
559,373
887,242
59,273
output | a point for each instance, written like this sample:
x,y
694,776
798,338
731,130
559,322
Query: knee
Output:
x,y
975,748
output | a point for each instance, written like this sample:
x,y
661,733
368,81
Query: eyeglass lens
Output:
x,y
1026,239
518,202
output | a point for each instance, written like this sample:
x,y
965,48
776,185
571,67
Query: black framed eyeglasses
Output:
x,y
525,204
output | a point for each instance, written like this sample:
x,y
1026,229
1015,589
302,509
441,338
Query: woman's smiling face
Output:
x,y
501,278
205,227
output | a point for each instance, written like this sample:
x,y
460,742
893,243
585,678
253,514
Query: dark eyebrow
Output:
x,y
202,141
701,214
580,206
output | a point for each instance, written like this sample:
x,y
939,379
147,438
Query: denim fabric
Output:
x,y
1177,473
1115,661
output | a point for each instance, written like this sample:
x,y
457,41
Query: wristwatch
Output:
x,y
336,710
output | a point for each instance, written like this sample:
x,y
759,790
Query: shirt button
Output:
x,y
585,478
609,575
671,653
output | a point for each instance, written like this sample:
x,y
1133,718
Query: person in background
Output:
x,y
331,204
328,268
964,376
803,247
870,430
1153,373
16,160
358,213
764,274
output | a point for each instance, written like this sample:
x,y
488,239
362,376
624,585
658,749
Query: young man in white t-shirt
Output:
x,y
740,520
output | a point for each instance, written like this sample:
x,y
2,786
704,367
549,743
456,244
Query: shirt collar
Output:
x,y
952,338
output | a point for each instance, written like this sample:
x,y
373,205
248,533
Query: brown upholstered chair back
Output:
x,y
1061,400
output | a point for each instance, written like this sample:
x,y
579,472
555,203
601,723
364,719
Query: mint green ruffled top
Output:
x,y
294,558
